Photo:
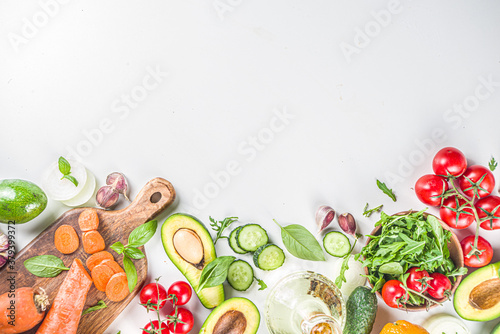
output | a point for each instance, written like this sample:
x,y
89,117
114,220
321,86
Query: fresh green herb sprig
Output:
x,y
220,226
45,265
138,237
301,243
493,164
345,266
262,284
368,212
65,169
99,306
215,273
382,186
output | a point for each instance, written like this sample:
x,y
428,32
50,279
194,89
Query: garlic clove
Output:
x,y
347,223
107,197
118,182
324,217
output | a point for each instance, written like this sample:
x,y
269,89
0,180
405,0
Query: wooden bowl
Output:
x,y
456,256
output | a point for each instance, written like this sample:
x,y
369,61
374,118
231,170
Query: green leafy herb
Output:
x,y
386,190
368,213
262,285
301,243
142,234
100,305
65,169
220,226
118,247
45,265
131,272
215,273
345,266
134,253
493,164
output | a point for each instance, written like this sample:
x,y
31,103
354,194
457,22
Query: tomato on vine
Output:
x,y
488,210
430,189
477,182
456,212
449,161
417,279
181,321
439,286
153,296
153,328
394,294
481,257
182,291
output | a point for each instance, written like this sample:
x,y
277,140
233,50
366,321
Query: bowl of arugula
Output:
x,y
412,239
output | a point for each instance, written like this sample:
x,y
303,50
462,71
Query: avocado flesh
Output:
x,y
496,330
188,231
476,290
234,316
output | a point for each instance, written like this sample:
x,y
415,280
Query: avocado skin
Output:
x,y
496,330
20,201
361,310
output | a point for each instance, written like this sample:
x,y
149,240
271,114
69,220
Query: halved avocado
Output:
x,y
234,316
496,330
189,245
477,298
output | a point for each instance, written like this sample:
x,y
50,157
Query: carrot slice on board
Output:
x,y
66,240
88,220
92,242
117,288
114,266
66,310
96,258
101,275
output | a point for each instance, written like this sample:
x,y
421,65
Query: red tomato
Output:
x,y
186,317
154,323
449,161
459,218
439,286
476,260
488,210
182,291
477,181
430,188
394,294
153,294
417,280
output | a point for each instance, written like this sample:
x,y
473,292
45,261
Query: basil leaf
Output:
x,y
117,247
141,234
100,305
45,265
301,243
64,166
131,272
215,273
134,253
386,190
71,179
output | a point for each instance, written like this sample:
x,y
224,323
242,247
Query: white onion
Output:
x,y
445,323
62,189
352,275
87,192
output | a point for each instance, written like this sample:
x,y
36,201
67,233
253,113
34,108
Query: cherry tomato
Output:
x,y
182,291
477,181
186,317
430,188
488,209
449,161
417,280
476,260
455,213
439,286
151,294
394,294
164,327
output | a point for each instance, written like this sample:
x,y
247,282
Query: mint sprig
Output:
x,y
65,169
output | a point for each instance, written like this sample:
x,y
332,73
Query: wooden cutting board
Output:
x,y
114,226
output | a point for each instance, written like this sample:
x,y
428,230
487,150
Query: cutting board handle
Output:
x,y
153,198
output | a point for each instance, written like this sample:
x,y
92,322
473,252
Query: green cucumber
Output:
x,y
361,309
269,257
250,237
240,275
233,243
336,244
20,201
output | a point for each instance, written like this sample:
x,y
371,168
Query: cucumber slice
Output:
x,y
269,257
240,275
233,243
336,244
250,237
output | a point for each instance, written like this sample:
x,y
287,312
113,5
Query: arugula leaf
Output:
x,y
262,285
368,213
301,243
215,273
493,164
65,169
386,190
220,226
100,305
345,266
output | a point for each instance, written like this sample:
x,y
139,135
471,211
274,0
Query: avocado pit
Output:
x,y
231,322
189,246
486,294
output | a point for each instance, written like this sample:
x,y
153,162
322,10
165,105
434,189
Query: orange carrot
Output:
x,y
101,275
96,258
66,239
93,242
117,288
88,220
66,310
113,265
22,309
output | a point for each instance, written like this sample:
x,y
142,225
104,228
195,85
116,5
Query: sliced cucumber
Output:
x,y
269,257
250,237
336,244
233,243
240,275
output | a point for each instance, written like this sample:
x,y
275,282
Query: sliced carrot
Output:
x,y
113,265
92,242
88,220
96,258
66,239
117,288
101,275
66,310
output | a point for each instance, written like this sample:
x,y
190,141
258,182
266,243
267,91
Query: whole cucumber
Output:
x,y
361,310
20,201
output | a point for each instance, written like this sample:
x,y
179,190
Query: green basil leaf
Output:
x,y
64,166
386,190
301,243
131,272
141,234
71,179
100,305
391,268
134,253
117,247
45,265
215,273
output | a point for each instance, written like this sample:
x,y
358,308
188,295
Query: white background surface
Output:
x,y
370,115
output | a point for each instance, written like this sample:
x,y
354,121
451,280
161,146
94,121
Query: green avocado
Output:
x,y
496,330
361,309
477,298
20,201
235,316
189,245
